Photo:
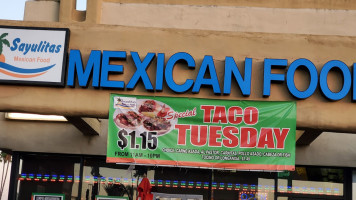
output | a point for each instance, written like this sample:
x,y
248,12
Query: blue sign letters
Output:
x,y
98,69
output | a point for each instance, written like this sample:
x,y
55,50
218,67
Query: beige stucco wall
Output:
x,y
216,28
41,11
53,137
231,18
314,112
329,149
316,4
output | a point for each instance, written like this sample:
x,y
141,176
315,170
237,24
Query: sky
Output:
x,y
14,9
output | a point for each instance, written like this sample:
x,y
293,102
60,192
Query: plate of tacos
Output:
x,y
149,115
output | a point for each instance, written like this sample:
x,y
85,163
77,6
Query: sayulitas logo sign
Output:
x,y
32,56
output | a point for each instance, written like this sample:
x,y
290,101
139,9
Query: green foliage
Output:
x,y
4,157
3,41
3,35
6,42
118,190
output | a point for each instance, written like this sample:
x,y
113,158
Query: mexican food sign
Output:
x,y
35,56
190,132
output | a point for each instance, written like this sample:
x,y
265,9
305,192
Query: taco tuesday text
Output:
x,y
230,135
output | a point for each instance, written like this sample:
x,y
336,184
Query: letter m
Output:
x,y
76,67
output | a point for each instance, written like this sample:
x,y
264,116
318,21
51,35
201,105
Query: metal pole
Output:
x,y
81,177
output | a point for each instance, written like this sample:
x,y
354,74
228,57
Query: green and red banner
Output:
x,y
210,133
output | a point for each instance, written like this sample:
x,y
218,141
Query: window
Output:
x,y
243,185
48,174
84,177
312,182
106,179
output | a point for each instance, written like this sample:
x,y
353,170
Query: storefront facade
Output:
x,y
87,176
295,52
